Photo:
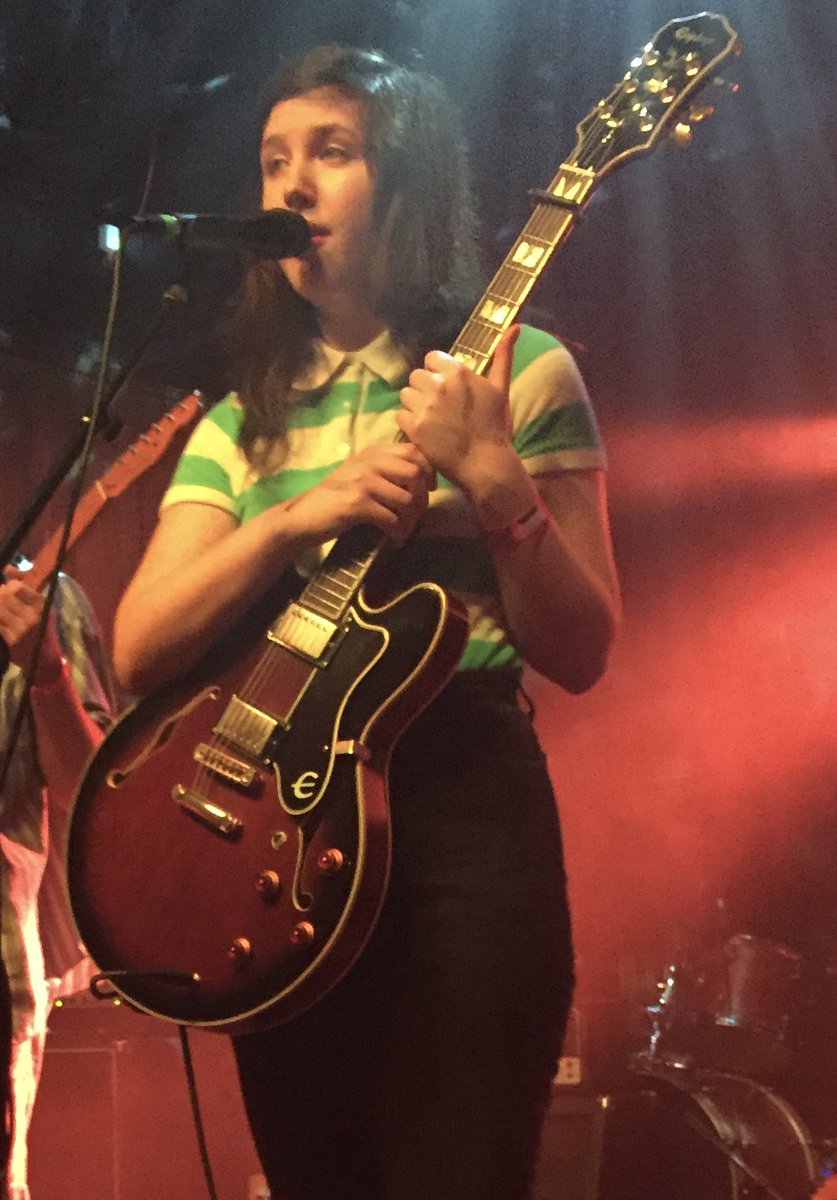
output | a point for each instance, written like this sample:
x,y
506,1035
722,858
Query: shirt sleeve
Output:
x,y
83,647
212,469
553,423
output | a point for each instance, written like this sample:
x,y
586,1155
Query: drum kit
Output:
x,y
723,1043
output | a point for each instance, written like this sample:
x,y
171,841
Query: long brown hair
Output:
x,y
427,267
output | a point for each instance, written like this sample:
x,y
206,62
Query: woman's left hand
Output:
x,y
458,419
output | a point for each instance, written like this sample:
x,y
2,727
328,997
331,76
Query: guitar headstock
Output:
x,y
658,91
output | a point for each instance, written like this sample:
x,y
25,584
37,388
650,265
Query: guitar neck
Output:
x,y
550,223
330,592
130,466
89,507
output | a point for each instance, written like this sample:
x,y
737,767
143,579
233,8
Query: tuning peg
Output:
x,y
681,135
731,85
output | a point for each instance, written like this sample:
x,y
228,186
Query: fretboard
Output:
x,y
550,222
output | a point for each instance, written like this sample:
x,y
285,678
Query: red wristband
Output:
x,y
520,529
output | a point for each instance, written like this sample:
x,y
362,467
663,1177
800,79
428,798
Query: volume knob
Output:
x,y
240,950
330,861
269,885
302,933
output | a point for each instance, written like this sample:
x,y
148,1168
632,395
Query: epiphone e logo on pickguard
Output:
x,y
305,785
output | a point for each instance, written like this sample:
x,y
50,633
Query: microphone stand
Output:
x,y
107,425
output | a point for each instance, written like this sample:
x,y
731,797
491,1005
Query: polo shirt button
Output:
x,y
344,448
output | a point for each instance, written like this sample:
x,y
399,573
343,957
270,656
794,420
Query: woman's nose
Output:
x,y
299,189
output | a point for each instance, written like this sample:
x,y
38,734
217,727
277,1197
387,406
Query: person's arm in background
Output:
x,y
69,698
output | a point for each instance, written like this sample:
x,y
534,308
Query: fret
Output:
x,y
318,595
332,590
322,586
496,295
330,586
497,313
548,221
479,335
572,183
514,278
322,608
530,254
464,346
533,236
548,225
470,358
335,598
340,577
520,283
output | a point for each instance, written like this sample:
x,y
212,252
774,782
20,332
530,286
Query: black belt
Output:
x,y
500,682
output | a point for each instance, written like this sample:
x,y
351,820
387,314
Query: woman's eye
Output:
x,y
335,152
271,166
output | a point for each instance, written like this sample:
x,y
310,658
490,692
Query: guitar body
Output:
x,y
266,886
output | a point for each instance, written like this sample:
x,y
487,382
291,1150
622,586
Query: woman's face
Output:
x,y
314,161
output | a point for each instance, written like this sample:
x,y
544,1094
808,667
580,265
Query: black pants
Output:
x,y
424,1075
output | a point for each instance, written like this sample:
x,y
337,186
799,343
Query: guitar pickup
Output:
x,y
225,765
304,632
246,727
217,818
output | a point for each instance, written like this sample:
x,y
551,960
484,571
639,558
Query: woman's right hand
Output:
x,y
385,486
180,601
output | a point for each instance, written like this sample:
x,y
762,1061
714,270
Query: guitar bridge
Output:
x,y
225,765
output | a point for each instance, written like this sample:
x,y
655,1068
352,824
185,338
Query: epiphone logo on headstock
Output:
x,y
684,34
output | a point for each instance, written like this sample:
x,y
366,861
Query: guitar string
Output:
x,y
265,670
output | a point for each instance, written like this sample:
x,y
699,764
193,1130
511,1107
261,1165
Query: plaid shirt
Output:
x,y
29,878
81,645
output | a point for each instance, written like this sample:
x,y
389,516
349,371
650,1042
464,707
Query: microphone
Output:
x,y
277,233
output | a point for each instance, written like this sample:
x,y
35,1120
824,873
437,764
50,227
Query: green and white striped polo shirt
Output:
x,y
553,426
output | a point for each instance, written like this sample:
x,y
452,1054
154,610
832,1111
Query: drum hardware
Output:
x,y
727,1008
721,1033
730,1153
657,1012
712,1135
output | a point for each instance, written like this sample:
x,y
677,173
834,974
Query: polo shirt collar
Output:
x,y
382,357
